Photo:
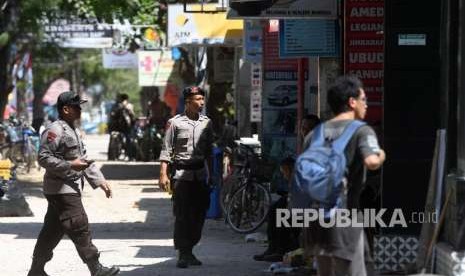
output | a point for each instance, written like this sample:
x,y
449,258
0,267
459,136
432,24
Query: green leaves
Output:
x,y
4,38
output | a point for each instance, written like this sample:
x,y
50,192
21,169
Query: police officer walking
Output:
x,y
63,156
187,146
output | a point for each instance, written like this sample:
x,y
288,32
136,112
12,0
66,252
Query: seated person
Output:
x,y
280,240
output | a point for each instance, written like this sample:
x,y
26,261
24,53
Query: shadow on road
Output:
x,y
130,171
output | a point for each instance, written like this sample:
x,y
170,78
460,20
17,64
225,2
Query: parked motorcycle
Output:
x,y
152,142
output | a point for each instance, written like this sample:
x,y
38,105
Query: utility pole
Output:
x,y
461,91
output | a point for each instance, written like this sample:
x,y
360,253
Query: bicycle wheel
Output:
x,y
248,208
228,187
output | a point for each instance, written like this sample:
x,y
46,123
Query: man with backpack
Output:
x,y
342,148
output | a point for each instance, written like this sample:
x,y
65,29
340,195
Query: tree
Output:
x,y
20,24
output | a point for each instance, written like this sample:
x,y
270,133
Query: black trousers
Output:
x,y
65,215
282,239
191,200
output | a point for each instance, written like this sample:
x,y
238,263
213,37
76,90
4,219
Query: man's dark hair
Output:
x,y
344,88
191,91
122,97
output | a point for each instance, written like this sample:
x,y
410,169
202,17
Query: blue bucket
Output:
x,y
214,211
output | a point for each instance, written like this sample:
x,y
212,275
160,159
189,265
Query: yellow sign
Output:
x,y
5,166
202,28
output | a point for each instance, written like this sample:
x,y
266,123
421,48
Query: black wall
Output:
x,y
411,105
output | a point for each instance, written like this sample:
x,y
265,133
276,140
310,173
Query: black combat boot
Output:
x,y
37,268
97,269
183,259
192,260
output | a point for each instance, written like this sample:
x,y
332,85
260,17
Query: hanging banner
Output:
x,y
364,50
202,28
77,33
155,68
118,59
283,9
307,38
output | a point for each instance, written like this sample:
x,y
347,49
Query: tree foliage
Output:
x,y
20,25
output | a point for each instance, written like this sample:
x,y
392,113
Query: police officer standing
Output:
x,y
63,156
187,146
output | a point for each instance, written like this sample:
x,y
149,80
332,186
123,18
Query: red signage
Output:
x,y
364,50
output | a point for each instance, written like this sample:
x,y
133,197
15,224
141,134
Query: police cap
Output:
x,y
192,90
69,98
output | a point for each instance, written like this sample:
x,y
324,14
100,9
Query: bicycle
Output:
x,y
22,146
248,206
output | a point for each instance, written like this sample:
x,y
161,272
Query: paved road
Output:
x,y
97,146
133,230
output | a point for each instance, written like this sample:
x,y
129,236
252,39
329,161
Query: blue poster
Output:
x,y
253,41
306,38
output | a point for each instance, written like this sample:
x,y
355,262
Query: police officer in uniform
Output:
x,y
63,156
187,147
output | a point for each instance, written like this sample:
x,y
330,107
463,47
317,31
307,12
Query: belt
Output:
x,y
193,167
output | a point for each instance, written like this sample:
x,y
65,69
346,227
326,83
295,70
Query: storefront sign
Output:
x,y
305,38
202,28
364,50
118,59
155,68
283,9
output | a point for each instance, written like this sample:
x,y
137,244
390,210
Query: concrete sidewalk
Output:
x,y
133,231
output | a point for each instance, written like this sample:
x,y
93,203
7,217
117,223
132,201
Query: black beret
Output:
x,y
69,98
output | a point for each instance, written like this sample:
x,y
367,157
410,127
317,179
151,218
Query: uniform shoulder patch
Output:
x,y
51,136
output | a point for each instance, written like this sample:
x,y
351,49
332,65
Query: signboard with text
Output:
x,y
364,50
77,33
283,9
202,28
306,38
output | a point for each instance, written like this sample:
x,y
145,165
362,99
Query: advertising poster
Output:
x,y
364,50
279,97
155,67
253,40
280,122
